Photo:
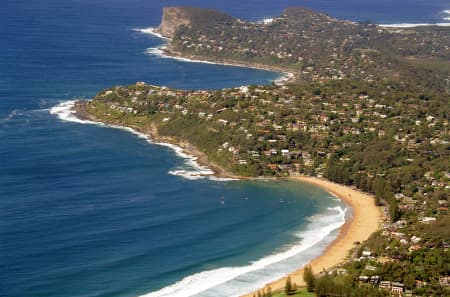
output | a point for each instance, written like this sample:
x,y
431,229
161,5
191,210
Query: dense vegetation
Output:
x,y
363,115
318,47
388,139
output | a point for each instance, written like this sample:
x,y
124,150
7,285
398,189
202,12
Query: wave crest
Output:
x,y
411,25
191,170
150,31
321,226
10,116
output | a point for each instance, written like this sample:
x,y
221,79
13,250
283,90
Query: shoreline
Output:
x,y
164,51
285,78
412,25
365,220
198,160
76,112
223,62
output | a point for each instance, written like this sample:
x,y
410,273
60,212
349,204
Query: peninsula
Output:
x,y
313,45
368,109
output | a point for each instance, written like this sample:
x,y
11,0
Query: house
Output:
x,y
403,241
397,288
374,280
284,167
398,235
427,220
420,284
409,201
285,153
442,202
415,239
442,210
363,279
444,281
414,247
222,121
399,196
385,285
400,224
242,162
341,271
273,166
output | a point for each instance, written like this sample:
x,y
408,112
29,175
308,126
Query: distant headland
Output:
x,y
367,108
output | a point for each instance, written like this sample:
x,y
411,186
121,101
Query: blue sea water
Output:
x,y
93,211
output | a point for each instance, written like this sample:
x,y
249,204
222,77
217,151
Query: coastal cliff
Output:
x,y
370,112
174,18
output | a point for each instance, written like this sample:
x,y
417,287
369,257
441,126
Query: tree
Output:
x,y
294,288
269,292
309,278
289,288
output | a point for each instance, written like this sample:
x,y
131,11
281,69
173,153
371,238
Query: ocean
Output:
x,y
89,210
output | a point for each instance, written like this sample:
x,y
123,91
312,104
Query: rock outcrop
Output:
x,y
172,19
175,17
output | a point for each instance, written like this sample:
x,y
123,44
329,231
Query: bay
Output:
x,y
93,211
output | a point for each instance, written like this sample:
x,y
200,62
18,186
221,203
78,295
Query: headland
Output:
x,y
364,220
368,109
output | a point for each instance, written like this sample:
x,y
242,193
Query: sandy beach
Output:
x,y
366,216
366,220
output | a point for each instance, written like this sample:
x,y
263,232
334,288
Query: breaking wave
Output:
x,y
150,31
234,281
191,169
411,25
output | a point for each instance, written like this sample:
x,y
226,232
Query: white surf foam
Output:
x,y
156,51
150,31
159,52
284,78
10,116
410,25
223,179
267,21
191,170
446,12
320,227
64,111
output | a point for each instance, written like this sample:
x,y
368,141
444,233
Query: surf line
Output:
x,y
192,170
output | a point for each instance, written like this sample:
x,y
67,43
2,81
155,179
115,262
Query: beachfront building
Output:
x,y
397,288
